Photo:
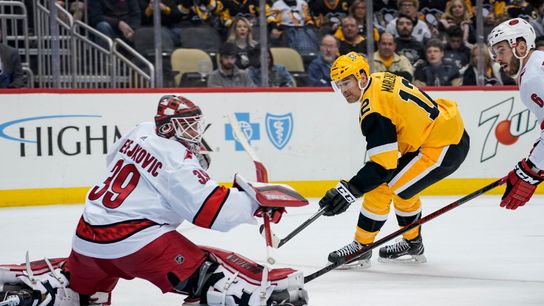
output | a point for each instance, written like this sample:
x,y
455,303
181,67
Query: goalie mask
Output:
x,y
180,119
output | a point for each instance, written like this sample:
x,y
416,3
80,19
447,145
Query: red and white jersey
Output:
x,y
151,186
531,90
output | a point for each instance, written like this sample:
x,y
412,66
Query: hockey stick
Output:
x,y
277,243
262,176
408,227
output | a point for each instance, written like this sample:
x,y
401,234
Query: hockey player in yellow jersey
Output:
x,y
412,141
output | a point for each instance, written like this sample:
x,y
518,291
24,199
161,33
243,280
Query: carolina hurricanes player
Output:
x,y
156,179
512,44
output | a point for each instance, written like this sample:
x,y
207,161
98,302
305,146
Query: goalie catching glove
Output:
x,y
338,199
272,198
521,184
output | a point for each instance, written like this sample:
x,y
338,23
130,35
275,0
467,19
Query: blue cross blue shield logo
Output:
x,y
250,129
279,129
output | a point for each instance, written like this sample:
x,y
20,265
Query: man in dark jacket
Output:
x,y
115,18
11,71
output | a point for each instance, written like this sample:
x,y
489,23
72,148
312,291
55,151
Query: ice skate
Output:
x,y
404,252
363,261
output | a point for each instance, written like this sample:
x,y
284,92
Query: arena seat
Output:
x,y
190,60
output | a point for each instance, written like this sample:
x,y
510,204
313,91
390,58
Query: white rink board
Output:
x,y
325,142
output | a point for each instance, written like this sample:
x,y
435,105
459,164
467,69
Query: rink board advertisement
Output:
x,y
54,144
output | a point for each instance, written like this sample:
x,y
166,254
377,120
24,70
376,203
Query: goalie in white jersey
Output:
x,y
156,179
512,44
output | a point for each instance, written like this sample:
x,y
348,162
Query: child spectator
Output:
x,y
456,52
435,72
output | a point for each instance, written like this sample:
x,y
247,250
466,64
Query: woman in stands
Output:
x,y
240,34
458,13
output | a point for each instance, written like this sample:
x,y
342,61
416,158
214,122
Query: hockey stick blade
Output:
x,y
401,231
275,239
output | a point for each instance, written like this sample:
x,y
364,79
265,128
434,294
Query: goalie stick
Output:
x,y
408,227
277,242
262,176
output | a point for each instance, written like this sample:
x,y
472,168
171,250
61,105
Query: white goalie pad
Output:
x,y
270,195
241,284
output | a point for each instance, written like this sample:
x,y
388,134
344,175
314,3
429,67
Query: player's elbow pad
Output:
x,y
371,176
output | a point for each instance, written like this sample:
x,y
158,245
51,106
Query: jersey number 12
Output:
x,y
420,98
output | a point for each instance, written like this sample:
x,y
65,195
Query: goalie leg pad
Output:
x,y
240,283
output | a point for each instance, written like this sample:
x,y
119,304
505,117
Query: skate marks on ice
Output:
x,y
478,254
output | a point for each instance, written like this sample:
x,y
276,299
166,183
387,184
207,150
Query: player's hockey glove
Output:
x,y
520,185
338,199
275,213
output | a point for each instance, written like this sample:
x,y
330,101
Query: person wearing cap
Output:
x,y
228,75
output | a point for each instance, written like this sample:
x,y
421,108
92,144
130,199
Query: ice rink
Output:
x,y
478,254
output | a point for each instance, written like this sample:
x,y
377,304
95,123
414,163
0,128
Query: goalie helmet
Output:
x,y
180,119
510,31
349,64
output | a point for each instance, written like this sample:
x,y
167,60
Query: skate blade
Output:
x,y
357,264
405,260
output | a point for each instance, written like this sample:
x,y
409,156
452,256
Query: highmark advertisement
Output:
x,y
58,142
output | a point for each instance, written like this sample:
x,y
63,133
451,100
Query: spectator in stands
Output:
x,y
201,12
319,68
11,70
278,76
435,72
385,59
248,9
409,8
385,11
455,51
170,17
240,34
294,24
115,18
539,42
357,10
431,11
228,75
407,45
538,21
458,14
493,74
75,7
329,13
350,39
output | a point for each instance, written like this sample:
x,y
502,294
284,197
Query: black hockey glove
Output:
x,y
338,199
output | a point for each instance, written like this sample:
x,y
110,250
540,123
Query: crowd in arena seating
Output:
x,y
431,43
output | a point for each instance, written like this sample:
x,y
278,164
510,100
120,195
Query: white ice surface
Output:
x,y
478,254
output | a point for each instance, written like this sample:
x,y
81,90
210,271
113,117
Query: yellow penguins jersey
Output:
x,y
397,117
